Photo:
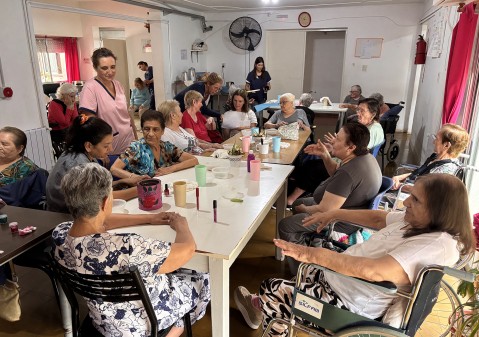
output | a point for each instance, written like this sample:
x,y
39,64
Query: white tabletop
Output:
x,y
234,219
319,107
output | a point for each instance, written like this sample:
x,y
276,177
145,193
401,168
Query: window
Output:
x,y
51,59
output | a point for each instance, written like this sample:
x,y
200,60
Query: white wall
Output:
x,y
389,74
24,110
56,24
430,97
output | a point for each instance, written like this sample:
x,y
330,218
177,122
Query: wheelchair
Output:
x,y
388,121
430,308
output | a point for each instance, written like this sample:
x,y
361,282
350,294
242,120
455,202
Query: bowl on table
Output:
x,y
221,172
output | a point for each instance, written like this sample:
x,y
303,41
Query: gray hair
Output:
x,y
289,96
378,97
306,100
167,108
66,89
358,88
85,187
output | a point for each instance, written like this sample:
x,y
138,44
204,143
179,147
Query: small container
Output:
x,y
13,227
250,158
166,191
3,219
221,172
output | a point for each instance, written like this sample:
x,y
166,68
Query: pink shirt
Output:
x,y
199,128
96,99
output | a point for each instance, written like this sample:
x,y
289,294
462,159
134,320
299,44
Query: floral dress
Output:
x,y
140,160
172,295
17,171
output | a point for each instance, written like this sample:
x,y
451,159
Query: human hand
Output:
x,y
176,221
164,171
330,138
321,219
396,183
162,218
280,123
318,149
301,124
147,82
302,208
298,252
343,105
135,179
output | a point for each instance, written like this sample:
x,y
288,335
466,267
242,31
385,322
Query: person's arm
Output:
x,y
146,102
182,249
385,268
370,218
319,149
132,97
208,112
186,160
126,194
207,145
273,121
398,180
55,114
126,220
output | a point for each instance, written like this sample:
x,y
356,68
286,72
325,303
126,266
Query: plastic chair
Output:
x,y
109,288
375,150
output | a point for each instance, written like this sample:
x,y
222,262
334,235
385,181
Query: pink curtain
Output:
x,y
458,66
71,59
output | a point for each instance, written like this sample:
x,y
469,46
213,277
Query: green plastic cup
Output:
x,y
200,171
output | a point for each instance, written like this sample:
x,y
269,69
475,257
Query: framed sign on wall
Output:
x,y
368,48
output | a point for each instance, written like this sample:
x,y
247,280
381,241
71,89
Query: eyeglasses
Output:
x,y
284,102
354,91
148,130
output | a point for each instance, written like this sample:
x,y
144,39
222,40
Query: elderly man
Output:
x,y
435,229
351,102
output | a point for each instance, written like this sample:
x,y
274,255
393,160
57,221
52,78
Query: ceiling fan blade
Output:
x,y
250,46
251,31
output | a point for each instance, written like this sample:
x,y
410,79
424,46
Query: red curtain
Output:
x,y
458,66
71,59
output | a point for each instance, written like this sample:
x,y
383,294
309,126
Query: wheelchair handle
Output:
x,y
460,274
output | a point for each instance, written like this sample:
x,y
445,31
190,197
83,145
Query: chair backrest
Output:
x,y
375,150
109,288
386,185
389,124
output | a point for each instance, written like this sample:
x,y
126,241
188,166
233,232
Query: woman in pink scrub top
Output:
x,y
104,97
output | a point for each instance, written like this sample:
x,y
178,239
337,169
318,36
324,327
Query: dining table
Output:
x,y
242,204
285,156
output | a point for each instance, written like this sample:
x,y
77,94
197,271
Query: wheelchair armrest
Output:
x,y
386,287
335,221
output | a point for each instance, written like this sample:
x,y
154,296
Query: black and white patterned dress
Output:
x,y
172,295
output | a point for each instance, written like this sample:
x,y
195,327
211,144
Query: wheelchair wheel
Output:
x,y
393,152
439,322
369,331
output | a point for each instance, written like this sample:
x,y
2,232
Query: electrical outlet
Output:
x,y
223,65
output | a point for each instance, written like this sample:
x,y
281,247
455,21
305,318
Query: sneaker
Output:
x,y
252,315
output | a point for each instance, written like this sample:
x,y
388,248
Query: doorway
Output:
x,y
118,47
323,68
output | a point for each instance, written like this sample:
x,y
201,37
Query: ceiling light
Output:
x,y
274,1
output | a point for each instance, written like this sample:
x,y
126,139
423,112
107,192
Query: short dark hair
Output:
x,y
358,135
373,107
86,129
448,207
142,63
99,53
152,115
19,137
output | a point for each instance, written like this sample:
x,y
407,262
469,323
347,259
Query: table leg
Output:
x,y
220,306
66,311
280,213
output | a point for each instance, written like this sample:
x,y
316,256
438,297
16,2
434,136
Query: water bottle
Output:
x,y
249,159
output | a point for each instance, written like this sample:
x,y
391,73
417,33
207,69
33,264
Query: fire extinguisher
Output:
x,y
421,47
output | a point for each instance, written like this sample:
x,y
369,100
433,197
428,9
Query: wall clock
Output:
x,y
304,19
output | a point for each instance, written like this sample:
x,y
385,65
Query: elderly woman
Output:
x,y
178,136
88,140
150,155
308,176
383,107
450,141
140,97
352,184
62,111
14,166
172,291
241,118
193,120
207,88
104,97
435,229
351,101
288,114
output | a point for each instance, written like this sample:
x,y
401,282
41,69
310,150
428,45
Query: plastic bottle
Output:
x,y
250,158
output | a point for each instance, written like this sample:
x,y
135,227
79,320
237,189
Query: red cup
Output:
x,y
149,194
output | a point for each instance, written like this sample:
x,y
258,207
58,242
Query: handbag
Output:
x,y
10,298
290,131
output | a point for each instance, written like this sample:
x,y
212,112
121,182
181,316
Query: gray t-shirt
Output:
x,y
55,198
358,181
298,114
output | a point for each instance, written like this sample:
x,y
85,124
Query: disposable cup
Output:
x,y
200,172
179,189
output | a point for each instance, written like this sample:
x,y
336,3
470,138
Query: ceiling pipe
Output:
x,y
167,11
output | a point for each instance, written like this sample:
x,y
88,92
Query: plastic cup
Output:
x,y
200,172
262,148
179,188
246,143
255,169
149,194
276,144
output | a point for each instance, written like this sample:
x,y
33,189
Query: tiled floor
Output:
x,y
41,316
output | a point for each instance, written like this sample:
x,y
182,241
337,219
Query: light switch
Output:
x,y
364,67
